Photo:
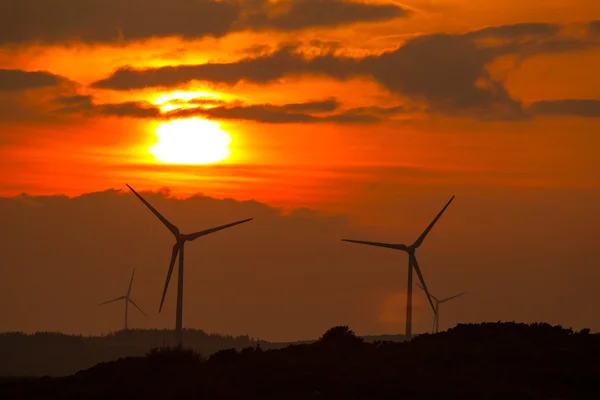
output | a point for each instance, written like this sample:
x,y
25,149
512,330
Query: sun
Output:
x,y
190,141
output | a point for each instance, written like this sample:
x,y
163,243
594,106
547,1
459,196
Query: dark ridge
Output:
x,y
470,361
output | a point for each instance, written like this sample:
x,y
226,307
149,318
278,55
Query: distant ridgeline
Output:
x,y
58,354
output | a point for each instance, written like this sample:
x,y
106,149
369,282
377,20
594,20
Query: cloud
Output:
x,y
112,21
594,27
282,114
515,31
264,113
29,96
446,72
314,106
15,80
262,69
74,100
128,109
73,104
301,14
259,113
568,107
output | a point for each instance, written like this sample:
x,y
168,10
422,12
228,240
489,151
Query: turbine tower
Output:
x,y
180,239
412,263
127,299
436,315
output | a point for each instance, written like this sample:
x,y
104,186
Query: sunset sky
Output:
x,y
321,119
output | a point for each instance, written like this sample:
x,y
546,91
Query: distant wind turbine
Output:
x,y
412,263
436,315
180,238
127,299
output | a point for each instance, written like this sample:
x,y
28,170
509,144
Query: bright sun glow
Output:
x,y
182,100
191,141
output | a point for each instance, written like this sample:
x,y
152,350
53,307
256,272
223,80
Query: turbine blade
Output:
x,y
110,301
419,241
378,244
452,297
174,230
418,269
130,283
173,257
194,236
136,306
432,296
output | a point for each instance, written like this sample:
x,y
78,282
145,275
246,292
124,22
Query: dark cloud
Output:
x,y
528,48
330,104
108,21
85,106
446,72
201,101
19,80
568,107
32,96
73,104
53,21
367,114
129,109
276,114
594,27
515,31
301,14
258,113
74,100
263,69
264,113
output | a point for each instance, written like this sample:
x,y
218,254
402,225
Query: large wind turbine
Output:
x,y
412,263
436,315
127,299
180,239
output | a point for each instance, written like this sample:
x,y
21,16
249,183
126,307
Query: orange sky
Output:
x,y
342,109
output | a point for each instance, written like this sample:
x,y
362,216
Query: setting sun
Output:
x,y
190,141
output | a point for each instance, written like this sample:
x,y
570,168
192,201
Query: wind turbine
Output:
x,y
180,239
412,263
127,299
436,315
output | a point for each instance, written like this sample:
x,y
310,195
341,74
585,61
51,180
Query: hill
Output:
x,y
66,354
470,361
58,354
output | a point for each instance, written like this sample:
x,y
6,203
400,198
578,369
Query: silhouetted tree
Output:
x,y
340,335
